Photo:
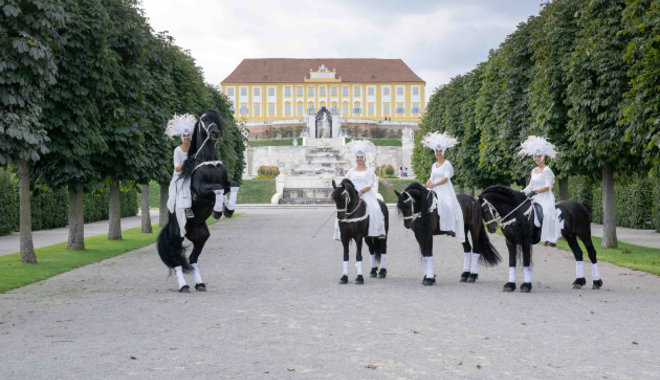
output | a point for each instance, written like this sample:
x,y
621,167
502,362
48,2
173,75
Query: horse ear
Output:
x,y
334,185
397,193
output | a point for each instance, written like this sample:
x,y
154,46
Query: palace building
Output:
x,y
365,92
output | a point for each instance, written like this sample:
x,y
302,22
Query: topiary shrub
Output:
x,y
386,171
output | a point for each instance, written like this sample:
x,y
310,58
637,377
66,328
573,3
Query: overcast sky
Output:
x,y
437,39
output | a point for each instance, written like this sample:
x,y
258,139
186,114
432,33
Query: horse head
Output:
x,y
344,195
496,202
412,203
209,126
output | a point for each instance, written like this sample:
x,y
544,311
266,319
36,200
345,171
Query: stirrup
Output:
x,y
189,213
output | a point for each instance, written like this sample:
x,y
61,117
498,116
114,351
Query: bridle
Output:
x,y
496,218
201,125
347,201
414,215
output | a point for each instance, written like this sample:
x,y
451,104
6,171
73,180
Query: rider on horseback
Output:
x,y
179,198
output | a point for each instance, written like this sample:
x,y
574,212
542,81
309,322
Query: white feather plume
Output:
x,y
537,145
360,147
439,141
180,125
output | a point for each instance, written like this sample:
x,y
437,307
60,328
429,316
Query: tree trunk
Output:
x,y
471,191
27,246
563,188
609,217
163,213
146,217
114,211
76,219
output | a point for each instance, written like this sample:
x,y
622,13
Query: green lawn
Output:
x,y
256,191
56,259
386,188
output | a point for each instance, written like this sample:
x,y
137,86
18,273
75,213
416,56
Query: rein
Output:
x,y
496,215
208,136
347,200
416,215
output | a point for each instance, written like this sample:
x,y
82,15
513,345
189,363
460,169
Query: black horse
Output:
x,y
209,184
418,206
353,222
517,225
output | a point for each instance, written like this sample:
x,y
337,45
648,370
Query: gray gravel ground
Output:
x,y
274,310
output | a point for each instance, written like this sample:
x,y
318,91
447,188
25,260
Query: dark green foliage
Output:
x,y
380,142
8,202
581,191
273,142
655,213
641,105
50,208
385,171
232,145
29,34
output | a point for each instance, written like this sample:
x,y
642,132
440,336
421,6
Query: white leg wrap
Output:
x,y
345,268
373,261
179,276
466,261
579,269
527,274
512,274
382,261
219,200
429,267
594,272
233,194
474,266
358,267
196,276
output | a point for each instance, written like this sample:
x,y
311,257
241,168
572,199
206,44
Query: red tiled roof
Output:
x,y
293,70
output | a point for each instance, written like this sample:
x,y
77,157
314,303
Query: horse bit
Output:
x,y
496,215
412,206
347,200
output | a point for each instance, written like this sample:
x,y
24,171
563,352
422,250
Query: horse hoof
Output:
x,y
509,287
359,280
597,284
201,287
373,273
184,289
526,287
343,279
382,273
579,283
428,281
217,215
472,277
464,277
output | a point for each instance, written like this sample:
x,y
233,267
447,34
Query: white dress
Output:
x,y
179,190
449,210
362,179
550,229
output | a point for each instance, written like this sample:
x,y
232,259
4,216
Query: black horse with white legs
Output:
x,y
514,212
209,184
418,206
353,220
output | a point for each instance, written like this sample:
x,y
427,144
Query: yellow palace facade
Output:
x,y
269,90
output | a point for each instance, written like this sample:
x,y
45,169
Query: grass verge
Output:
x,y
386,188
256,191
56,259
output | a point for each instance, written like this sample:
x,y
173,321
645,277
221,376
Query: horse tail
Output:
x,y
489,255
170,245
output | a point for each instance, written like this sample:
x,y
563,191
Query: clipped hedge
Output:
x,y
274,142
50,208
379,142
385,171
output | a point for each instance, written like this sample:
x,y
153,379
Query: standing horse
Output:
x,y
353,220
209,184
517,225
418,206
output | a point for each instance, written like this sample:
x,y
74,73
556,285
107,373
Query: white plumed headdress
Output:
x,y
181,125
360,147
439,141
535,145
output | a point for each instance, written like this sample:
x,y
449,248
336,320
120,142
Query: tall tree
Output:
x,y
72,116
641,105
598,81
29,34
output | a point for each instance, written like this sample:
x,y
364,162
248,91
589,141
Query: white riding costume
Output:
x,y
550,229
179,196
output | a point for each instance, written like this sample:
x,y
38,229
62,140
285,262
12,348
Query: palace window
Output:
x,y
415,108
300,91
244,109
271,109
256,91
230,91
334,109
345,109
310,91
243,91
415,90
333,91
386,91
287,109
399,91
271,91
371,108
257,109
322,91
386,108
356,91
357,109
287,91
345,91
299,109
310,109
400,109
370,91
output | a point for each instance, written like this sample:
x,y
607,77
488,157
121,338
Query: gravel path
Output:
x,y
274,310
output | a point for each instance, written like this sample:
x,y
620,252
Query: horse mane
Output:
x,y
425,215
508,192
